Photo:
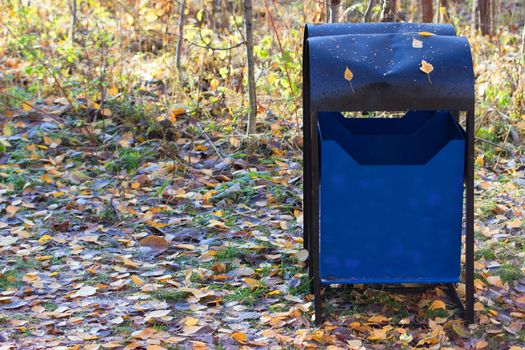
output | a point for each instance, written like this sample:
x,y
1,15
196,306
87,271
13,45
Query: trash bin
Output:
x,y
384,196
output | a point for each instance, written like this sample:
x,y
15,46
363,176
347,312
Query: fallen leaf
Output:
x,y
137,280
426,68
417,44
240,337
155,243
302,255
85,292
156,314
348,74
438,304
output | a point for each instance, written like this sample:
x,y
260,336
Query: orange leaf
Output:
x,y
348,74
155,243
240,337
137,280
438,304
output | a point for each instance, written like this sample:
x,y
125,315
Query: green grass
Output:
x,y
245,296
168,295
509,273
100,277
229,253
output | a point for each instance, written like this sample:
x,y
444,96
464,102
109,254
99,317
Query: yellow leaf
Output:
x,y
240,337
426,67
378,319
45,238
438,304
26,106
424,34
137,280
417,44
214,84
106,112
348,74
113,91
175,112
190,321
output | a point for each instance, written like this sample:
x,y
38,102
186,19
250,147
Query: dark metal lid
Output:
x,y
386,72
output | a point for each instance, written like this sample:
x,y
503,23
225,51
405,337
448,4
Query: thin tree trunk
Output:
x,y
335,8
180,39
427,11
388,11
73,21
251,71
485,16
368,13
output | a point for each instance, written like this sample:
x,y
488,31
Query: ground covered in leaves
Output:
x,y
179,245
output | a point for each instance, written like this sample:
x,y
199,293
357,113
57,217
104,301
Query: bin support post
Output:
x,y
314,218
469,202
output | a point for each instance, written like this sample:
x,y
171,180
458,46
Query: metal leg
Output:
x,y
314,217
469,203
452,293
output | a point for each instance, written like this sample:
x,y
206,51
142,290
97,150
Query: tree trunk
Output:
x,y
248,21
485,16
178,53
73,21
427,12
368,13
388,11
335,9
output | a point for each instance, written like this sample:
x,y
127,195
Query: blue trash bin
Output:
x,y
383,198
391,194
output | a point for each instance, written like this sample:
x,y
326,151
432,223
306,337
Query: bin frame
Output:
x,y
311,180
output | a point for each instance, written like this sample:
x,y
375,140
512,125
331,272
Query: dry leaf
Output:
x,y
348,74
155,243
137,280
190,321
302,255
156,314
85,292
426,68
438,304
417,44
113,91
240,337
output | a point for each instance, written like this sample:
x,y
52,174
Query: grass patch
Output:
x,y
169,295
509,273
245,296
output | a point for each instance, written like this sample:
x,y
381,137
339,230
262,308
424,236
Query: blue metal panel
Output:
x,y
391,203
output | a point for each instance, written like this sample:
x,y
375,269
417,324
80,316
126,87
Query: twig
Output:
x,y
248,25
33,106
210,141
181,37
284,61
492,143
50,71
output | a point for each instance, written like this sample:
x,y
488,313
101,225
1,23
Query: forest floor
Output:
x,y
172,245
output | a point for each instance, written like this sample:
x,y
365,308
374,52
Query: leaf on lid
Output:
x,y
348,74
417,44
426,67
